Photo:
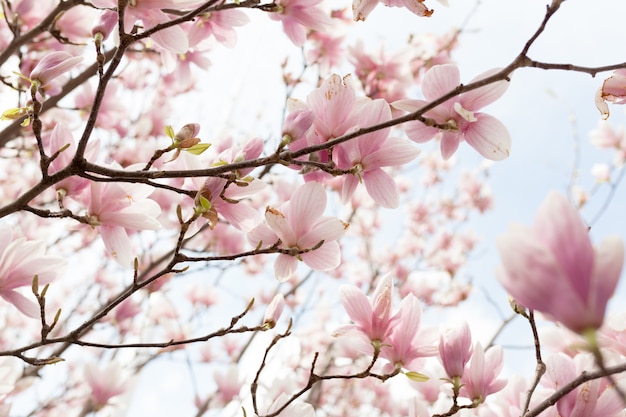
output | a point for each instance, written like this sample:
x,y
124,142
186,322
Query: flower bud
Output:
x,y
455,349
53,65
274,310
105,25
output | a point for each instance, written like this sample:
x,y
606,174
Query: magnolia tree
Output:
x,y
262,275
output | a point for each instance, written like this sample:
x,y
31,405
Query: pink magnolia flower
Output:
x,y
298,16
407,343
369,153
298,225
480,377
220,24
372,318
53,65
115,209
481,131
362,8
455,349
553,268
20,261
595,398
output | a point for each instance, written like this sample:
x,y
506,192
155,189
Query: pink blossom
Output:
x,y
298,16
368,154
117,208
105,383
218,197
480,377
298,227
52,65
20,261
371,317
553,268
407,343
483,132
220,24
455,349
595,398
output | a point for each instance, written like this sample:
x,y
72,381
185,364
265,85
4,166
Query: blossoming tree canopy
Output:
x,y
313,255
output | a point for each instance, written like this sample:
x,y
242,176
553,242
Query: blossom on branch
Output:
x,y
301,231
552,267
481,131
20,261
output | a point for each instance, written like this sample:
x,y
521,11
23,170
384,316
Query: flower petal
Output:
x,y
440,80
489,137
324,258
382,188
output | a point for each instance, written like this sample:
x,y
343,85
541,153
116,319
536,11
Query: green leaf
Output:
x,y
198,148
169,131
416,376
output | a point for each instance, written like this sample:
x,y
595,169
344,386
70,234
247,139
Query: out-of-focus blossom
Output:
x,y
295,409
105,383
20,261
220,24
298,16
481,131
552,267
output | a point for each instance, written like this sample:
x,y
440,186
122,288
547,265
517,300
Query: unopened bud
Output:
x,y
105,25
274,310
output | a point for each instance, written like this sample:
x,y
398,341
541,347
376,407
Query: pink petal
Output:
x,y
440,80
382,188
356,304
489,137
449,144
306,206
607,269
476,99
350,182
284,267
395,152
280,225
117,244
262,234
24,305
324,258
527,263
362,8
559,226
327,229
